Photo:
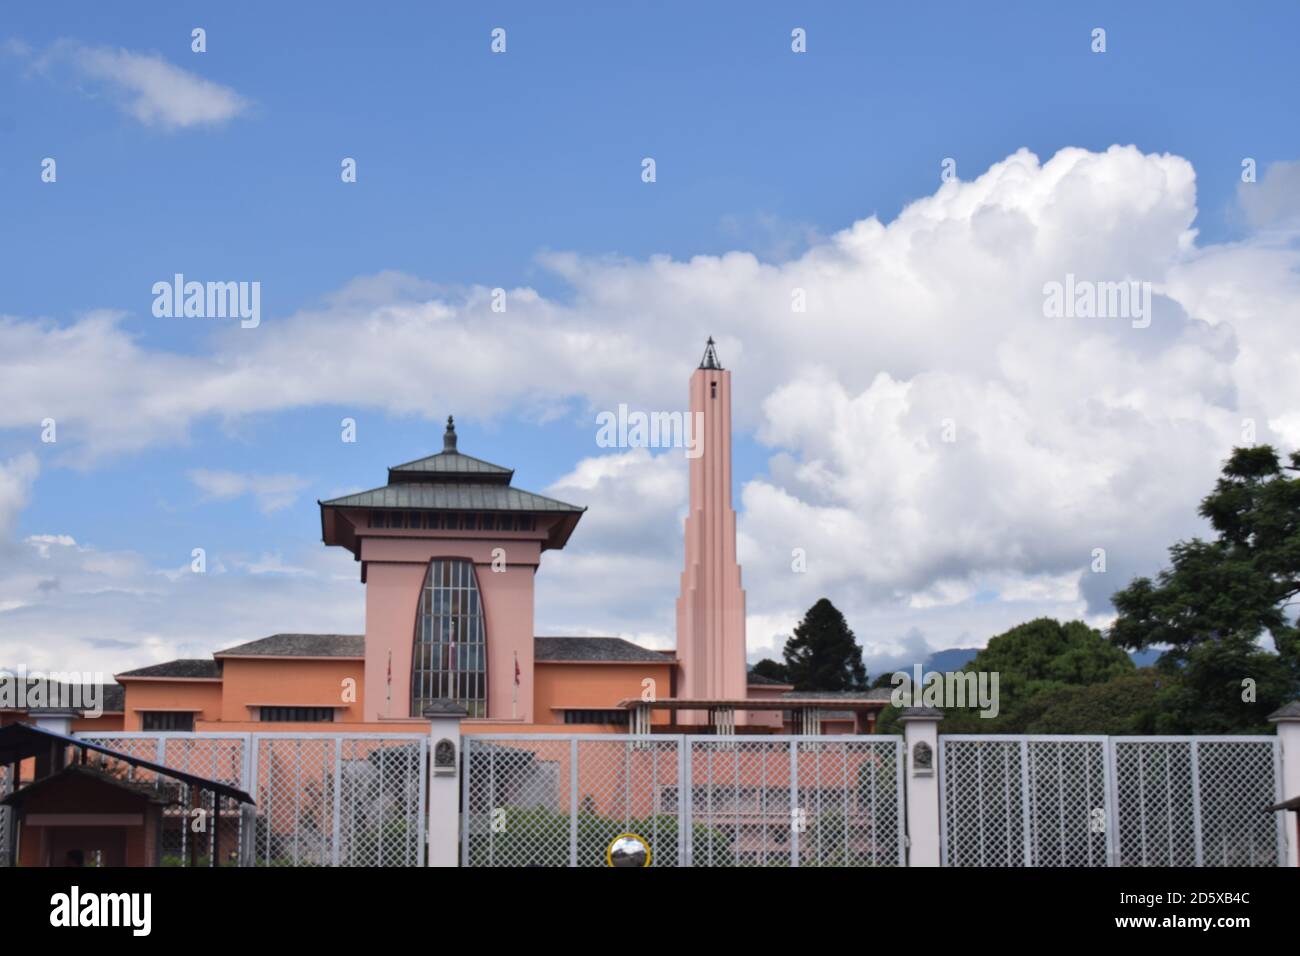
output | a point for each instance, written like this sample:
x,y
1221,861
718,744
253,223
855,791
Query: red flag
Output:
x,y
516,668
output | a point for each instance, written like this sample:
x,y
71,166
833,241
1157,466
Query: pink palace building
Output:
x,y
449,549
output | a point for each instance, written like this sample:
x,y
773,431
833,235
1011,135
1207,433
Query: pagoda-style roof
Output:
x,y
450,481
449,463
453,496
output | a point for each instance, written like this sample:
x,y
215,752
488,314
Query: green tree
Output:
x,y
823,654
1038,657
1127,704
1220,597
773,670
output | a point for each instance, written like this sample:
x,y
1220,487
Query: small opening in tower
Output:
x,y
713,390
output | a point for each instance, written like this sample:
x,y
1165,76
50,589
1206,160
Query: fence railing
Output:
x,y
321,799
558,799
1109,801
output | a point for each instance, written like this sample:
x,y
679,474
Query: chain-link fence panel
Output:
x,y
542,800
321,799
381,802
849,809
559,800
1069,807
741,801
1024,801
297,782
1197,801
192,830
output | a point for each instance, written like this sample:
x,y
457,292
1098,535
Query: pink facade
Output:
x,y
467,637
711,607
396,564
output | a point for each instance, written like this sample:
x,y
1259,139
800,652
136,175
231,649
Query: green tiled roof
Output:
x,y
448,463
452,496
447,481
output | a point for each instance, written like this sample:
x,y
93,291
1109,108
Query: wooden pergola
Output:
x,y
805,711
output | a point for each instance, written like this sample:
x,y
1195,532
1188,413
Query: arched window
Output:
x,y
450,658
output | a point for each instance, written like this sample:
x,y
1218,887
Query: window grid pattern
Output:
x,y
451,521
450,653
616,717
166,720
313,715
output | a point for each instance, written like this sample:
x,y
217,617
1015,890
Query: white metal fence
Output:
x,y
321,799
1198,801
1119,801
558,799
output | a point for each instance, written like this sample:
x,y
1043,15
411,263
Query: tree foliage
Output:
x,y
1218,598
773,670
1039,657
823,654
1127,704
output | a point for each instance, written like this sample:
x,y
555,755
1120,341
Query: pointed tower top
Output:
x,y
710,359
449,436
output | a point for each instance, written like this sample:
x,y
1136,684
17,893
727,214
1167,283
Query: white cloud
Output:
x,y
16,477
144,85
1071,434
272,492
1273,201
72,606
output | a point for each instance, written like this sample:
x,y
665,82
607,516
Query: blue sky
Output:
x,y
474,169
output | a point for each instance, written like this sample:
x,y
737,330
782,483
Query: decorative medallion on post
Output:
x,y
922,760
444,758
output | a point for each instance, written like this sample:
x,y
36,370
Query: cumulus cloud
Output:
x,y
145,86
631,548
950,458
1273,201
69,605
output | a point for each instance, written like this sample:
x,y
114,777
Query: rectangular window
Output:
x,y
302,715
167,720
616,717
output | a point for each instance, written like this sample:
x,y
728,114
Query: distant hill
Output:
x,y
955,658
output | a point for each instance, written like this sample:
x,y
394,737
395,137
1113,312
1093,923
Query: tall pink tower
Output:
x,y
711,608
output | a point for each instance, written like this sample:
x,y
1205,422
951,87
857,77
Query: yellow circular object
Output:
x,y
628,849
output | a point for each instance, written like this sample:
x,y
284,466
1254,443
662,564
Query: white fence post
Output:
x,y
444,790
921,745
1287,720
